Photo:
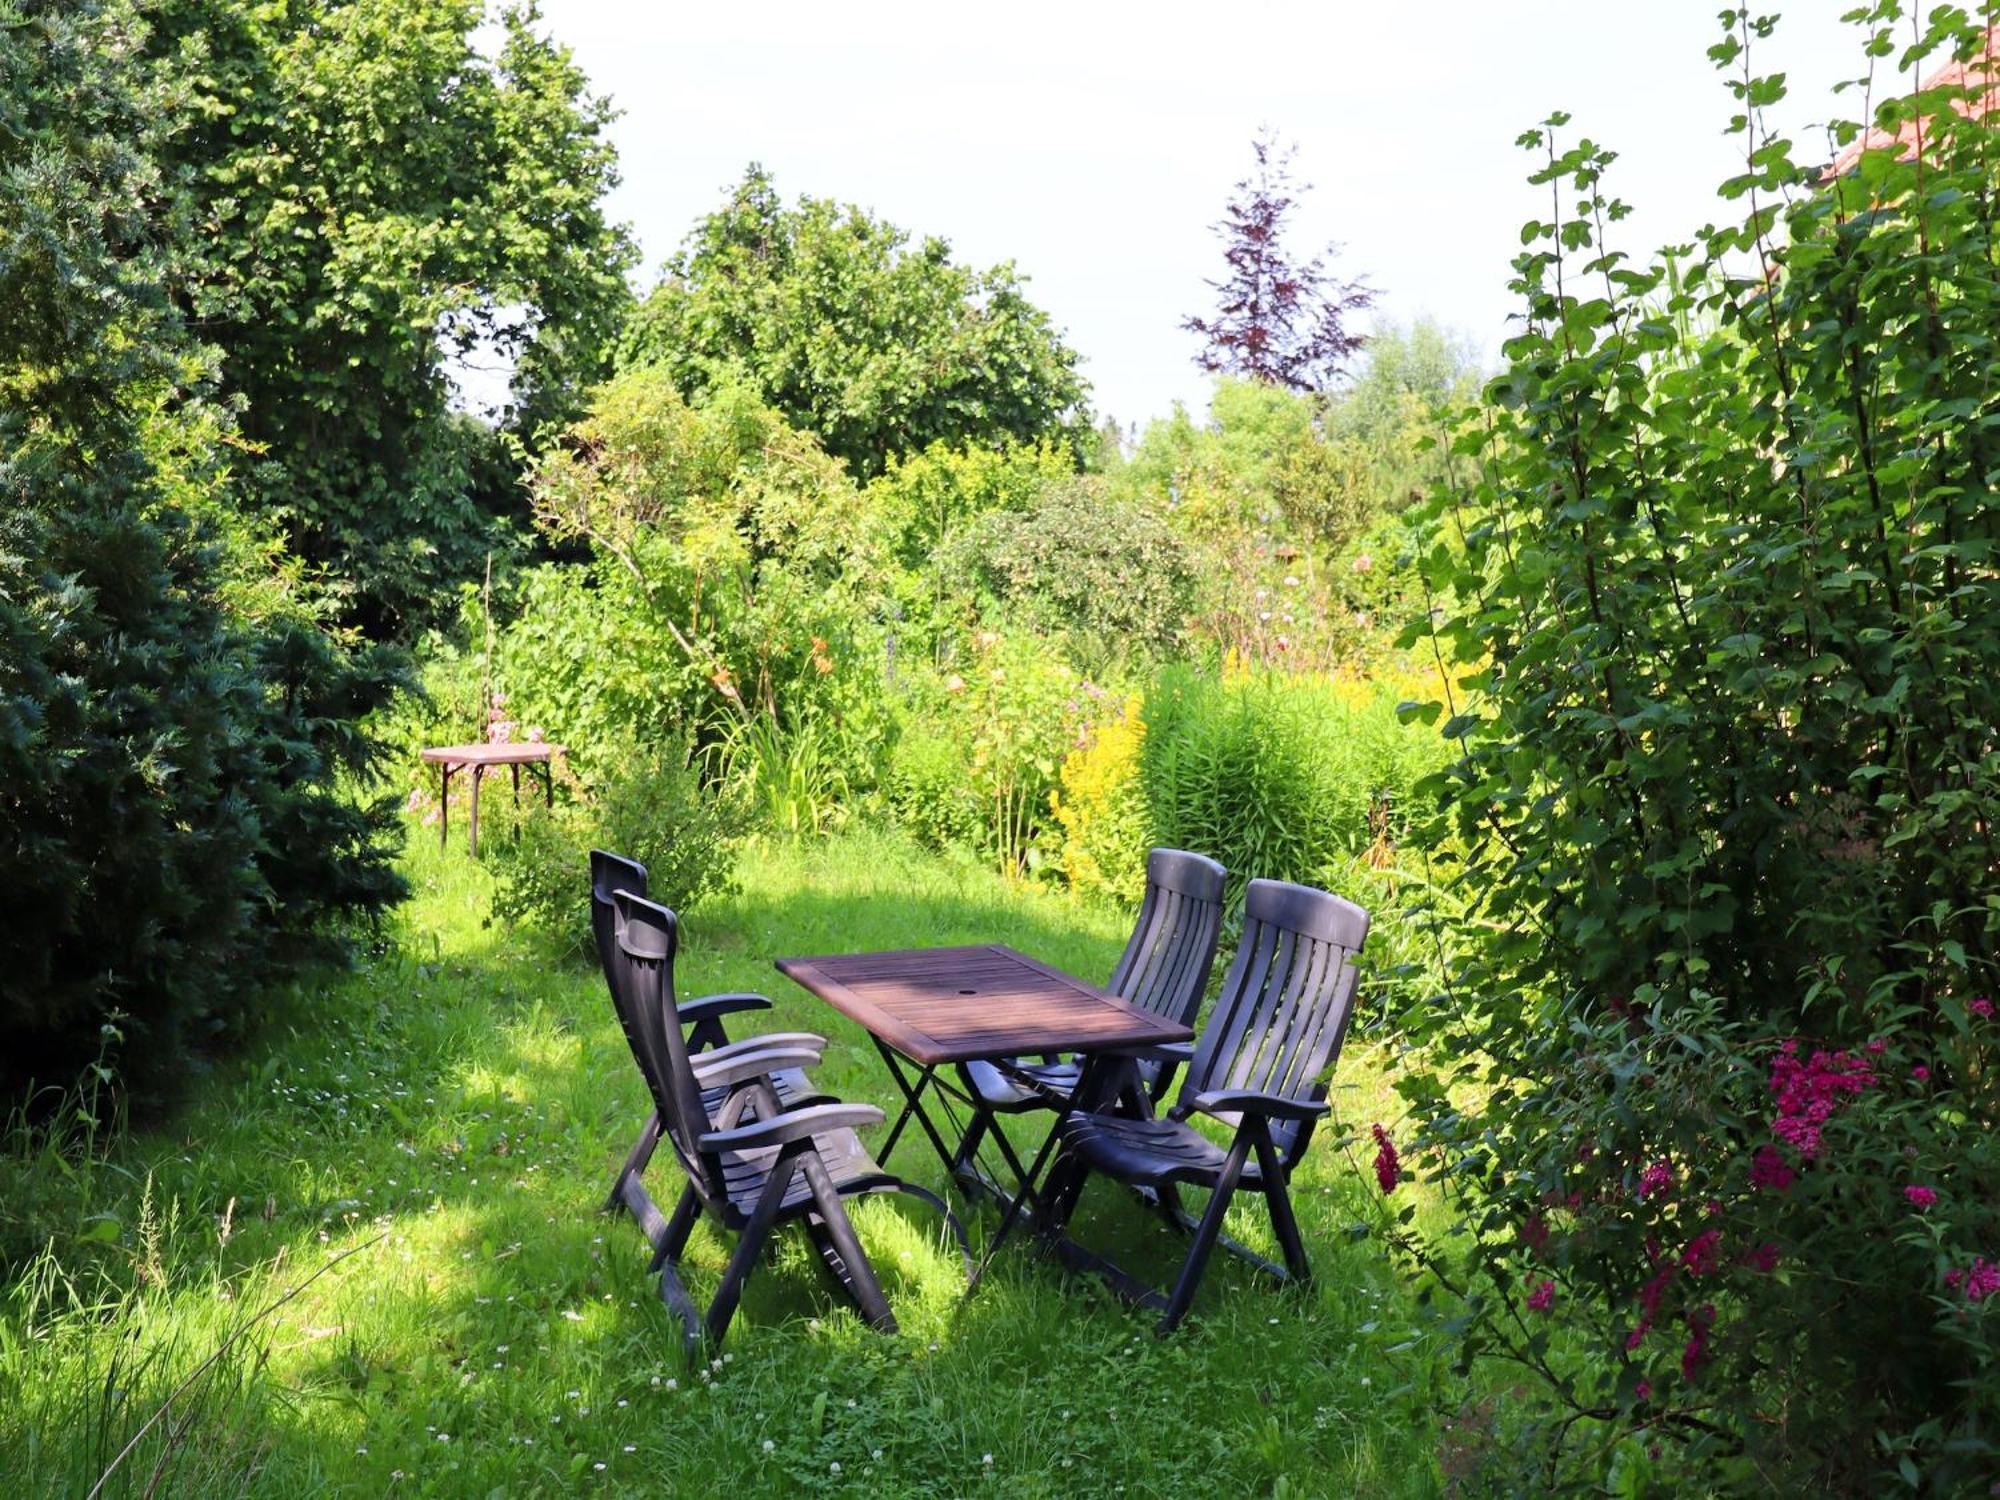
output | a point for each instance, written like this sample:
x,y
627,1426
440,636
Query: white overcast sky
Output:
x,y
1093,144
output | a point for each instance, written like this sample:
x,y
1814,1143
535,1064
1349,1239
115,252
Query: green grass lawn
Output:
x,y
456,1108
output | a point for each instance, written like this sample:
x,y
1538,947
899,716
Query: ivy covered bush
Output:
x,y
1711,1079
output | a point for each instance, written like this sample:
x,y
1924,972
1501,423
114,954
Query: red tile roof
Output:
x,y
1982,71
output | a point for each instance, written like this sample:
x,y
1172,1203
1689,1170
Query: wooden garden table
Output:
x,y
451,758
933,1007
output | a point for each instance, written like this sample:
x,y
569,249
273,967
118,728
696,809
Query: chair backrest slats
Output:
x,y
1166,964
648,936
610,874
1285,1002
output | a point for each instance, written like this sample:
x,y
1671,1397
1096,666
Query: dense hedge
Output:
x,y
176,730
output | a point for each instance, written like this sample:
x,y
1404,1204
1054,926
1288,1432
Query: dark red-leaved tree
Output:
x,y
1277,321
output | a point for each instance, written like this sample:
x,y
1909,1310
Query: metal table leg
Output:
x,y
912,1108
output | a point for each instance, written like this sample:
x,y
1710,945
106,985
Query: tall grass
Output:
x,y
1283,776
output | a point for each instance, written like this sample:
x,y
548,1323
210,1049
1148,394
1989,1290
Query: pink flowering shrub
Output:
x,y
1710,1042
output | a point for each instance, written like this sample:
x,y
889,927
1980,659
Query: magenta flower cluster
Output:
x,y
1920,1196
1979,1281
1703,1253
1768,1170
1535,1233
1655,1179
1809,1092
1542,1296
1388,1165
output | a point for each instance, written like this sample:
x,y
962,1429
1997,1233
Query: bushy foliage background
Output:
x,y
176,724
1711,1078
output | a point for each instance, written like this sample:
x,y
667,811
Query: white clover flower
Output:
x,y
769,1446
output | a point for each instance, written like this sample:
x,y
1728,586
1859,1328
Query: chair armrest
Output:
x,y
715,1007
748,1065
1250,1102
788,1041
780,1129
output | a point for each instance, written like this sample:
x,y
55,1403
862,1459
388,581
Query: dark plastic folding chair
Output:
x,y
749,1178
1164,969
1261,1067
700,1018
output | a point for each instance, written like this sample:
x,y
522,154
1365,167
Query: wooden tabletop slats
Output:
x,y
944,1005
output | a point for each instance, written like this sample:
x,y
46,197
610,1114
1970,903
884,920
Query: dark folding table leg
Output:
x,y
1099,1076
913,1107
1024,1177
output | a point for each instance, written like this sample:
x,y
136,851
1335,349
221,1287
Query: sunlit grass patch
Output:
x,y
456,1107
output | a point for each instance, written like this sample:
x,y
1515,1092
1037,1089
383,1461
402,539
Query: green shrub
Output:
x,y
733,574
1112,576
923,501
1279,776
1247,773
645,803
929,792
1723,828
179,737
980,750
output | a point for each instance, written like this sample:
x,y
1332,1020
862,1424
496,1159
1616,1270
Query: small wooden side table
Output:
x,y
477,758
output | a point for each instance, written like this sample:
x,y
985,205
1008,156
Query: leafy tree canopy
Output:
x,y
878,347
372,198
